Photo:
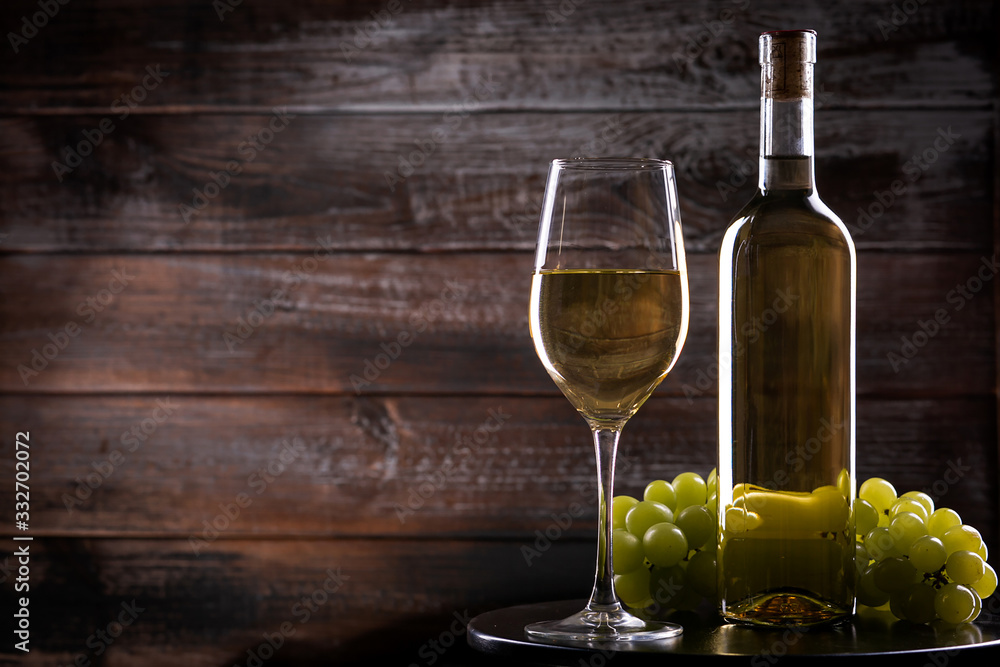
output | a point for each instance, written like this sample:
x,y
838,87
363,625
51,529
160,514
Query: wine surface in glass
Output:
x,y
608,337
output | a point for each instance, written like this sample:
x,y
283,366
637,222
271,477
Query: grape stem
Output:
x,y
602,598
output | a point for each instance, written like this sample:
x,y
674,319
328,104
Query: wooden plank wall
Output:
x,y
265,266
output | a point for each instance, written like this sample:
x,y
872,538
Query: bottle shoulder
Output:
x,y
789,217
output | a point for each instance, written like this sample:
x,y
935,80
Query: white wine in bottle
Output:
x,y
787,373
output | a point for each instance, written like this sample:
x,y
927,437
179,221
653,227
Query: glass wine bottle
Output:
x,y
787,373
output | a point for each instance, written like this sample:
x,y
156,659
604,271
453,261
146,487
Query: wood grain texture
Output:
x,y
192,364
394,598
587,55
431,324
440,182
438,466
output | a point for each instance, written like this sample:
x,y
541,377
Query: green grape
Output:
x,y
928,554
738,520
626,552
987,584
865,517
665,544
983,552
894,574
620,505
909,505
906,528
666,585
698,524
712,482
662,492
918,605
691,490
688,598
978,609
880,493
844,483
961,537
880,544
941,520
644,514
964,567
633,588
861,557
868,593
922,498
897,604
955,603
701,573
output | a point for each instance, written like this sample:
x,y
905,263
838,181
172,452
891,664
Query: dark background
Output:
x,y
222,312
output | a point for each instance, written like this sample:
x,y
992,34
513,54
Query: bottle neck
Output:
x,y
786,110
786,144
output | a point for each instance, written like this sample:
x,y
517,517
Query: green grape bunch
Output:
x,y
664,546
916,561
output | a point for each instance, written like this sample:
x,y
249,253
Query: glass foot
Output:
x,y
613,625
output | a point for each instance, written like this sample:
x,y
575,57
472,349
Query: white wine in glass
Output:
x,y
609,316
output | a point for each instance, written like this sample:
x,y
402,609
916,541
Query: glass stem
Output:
x,y
603,599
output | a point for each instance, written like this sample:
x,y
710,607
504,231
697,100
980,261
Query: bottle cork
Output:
x,y
786,60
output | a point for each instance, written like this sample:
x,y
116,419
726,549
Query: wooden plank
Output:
x,y
626,55
435,466
475,186
415,324
323,601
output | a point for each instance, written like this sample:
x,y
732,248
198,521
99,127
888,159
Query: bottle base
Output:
x,y
784,608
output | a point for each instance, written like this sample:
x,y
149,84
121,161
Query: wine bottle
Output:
x,y
787,373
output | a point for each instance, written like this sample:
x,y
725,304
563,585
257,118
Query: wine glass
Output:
x,y
608,317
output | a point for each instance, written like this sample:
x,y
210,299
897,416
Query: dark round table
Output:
x,y
870,638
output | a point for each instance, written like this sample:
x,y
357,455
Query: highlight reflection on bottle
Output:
x,y
787,358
